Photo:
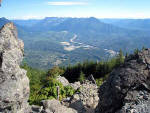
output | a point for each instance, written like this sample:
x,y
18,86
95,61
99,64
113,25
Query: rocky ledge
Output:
x,y
127,89
14,84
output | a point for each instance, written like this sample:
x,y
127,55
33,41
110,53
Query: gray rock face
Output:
x,y
140,104
54,106
75,85
14,84
127,89
63,80
86,100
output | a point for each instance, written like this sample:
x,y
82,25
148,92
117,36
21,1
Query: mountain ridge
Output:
x,y
49,33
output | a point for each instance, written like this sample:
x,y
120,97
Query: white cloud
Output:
x,y
67,3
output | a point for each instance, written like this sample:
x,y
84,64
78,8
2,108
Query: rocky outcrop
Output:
x,y
127,89
86,100
14,84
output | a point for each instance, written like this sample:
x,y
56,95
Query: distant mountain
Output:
x,y
76,25
140,24
97,33
40,25
3,21
27,23
85,25
52,41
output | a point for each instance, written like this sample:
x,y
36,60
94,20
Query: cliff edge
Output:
x,y
127,89
14,84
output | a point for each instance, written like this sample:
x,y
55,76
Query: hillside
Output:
x,y
61,41
138,24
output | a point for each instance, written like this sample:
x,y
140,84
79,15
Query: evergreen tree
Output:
x,y
143,48
82,77
126,55
136,51
120,58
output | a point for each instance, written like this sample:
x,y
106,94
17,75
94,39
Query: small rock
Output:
x,y
55,106
63,80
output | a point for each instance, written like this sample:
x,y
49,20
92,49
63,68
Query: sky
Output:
x,y
36,9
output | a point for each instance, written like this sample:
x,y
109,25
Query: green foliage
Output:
x,y
136,51
99,81
120,58
97,69
49,91
43,85
55,71
126,55
143,48
36,78
82,77
69,91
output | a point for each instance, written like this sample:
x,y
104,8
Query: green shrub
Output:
x,y
43,85
55,71
82,77
69,91
99,81
49,91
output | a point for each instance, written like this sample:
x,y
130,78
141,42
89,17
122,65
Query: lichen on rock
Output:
x,y
14,84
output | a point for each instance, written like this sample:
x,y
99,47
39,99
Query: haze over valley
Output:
x,y
62,41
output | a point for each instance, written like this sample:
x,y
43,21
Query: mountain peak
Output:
x,y
9,25
3,21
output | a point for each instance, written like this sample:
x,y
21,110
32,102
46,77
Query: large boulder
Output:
x,y
127,89
14,84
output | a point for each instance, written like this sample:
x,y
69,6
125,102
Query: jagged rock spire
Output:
x,y
14,84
